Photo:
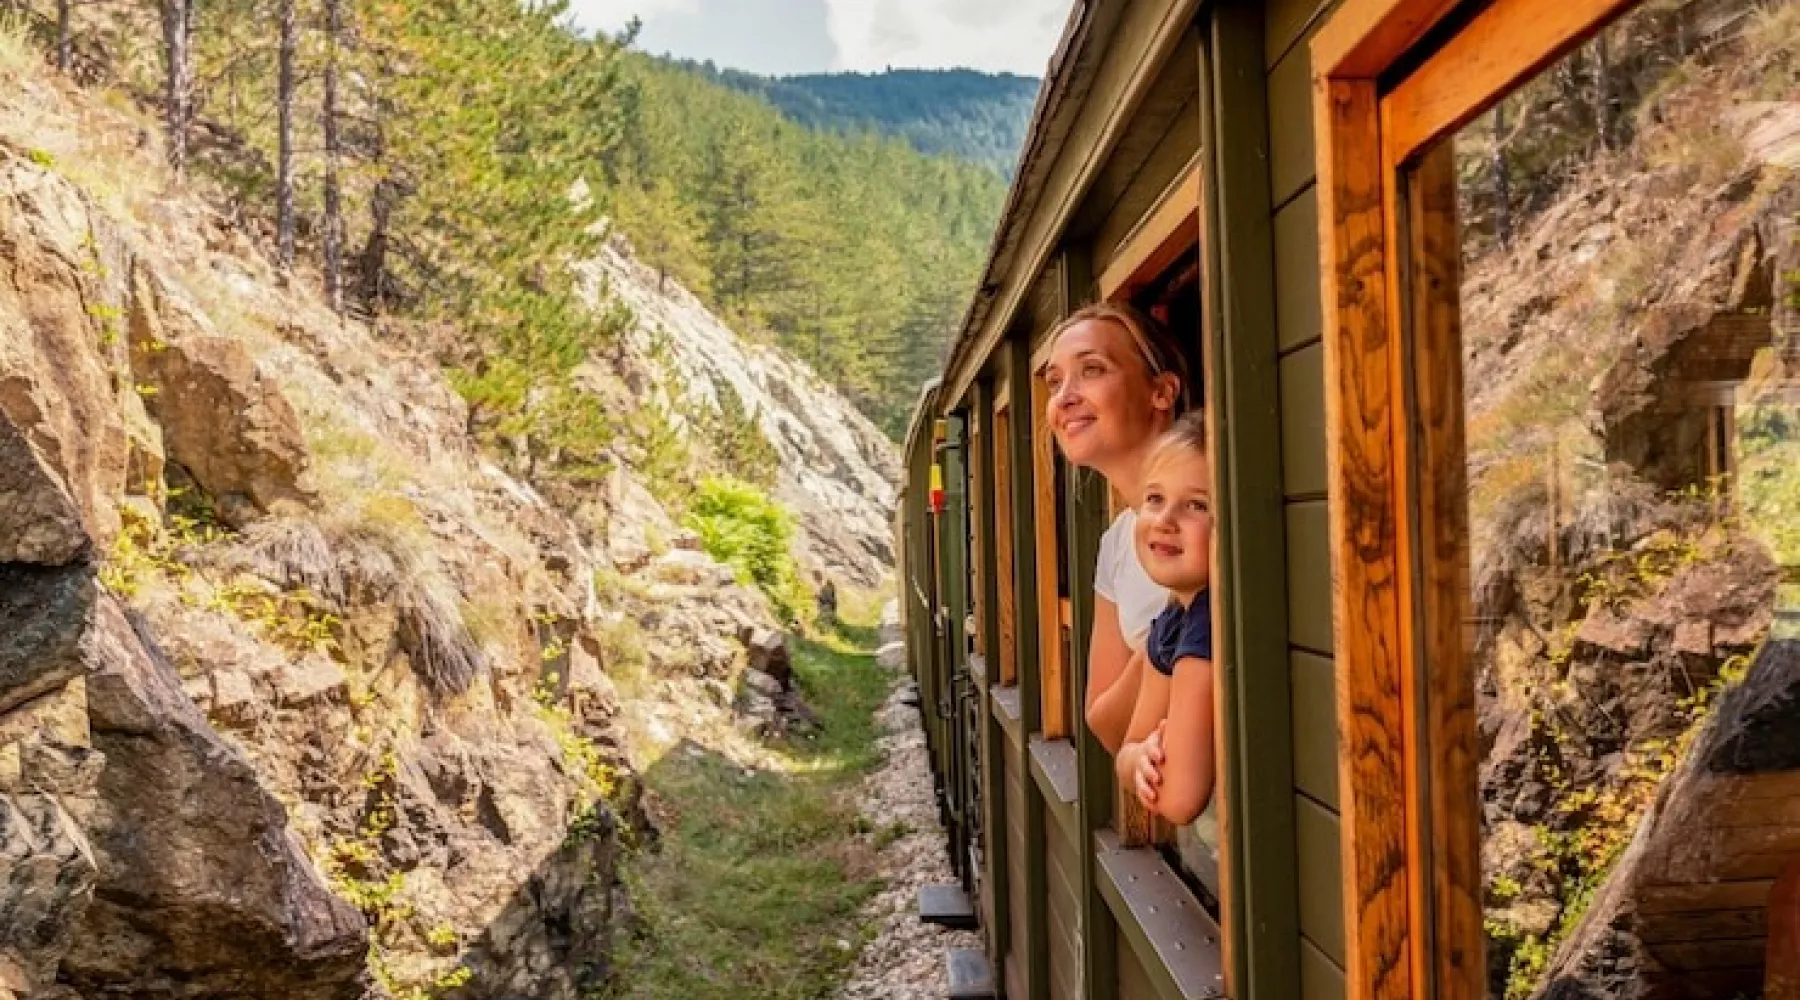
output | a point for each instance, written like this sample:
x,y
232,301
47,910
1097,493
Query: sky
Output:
x,y
784,37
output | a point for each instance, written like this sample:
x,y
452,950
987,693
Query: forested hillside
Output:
x,y
854,251
449,161
958,112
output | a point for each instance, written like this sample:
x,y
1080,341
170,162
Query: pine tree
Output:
x,y
284,162
332,226
178,79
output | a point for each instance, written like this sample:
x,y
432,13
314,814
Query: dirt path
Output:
x,y
905,959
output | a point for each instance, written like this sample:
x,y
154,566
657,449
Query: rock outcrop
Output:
x,y
838,473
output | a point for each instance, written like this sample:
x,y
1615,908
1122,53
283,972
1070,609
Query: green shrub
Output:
x,y
746,530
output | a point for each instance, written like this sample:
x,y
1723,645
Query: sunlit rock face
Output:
x,y
838,472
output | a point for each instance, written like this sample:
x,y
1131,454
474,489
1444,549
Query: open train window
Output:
x,y
1173,298
1158,270
1566,403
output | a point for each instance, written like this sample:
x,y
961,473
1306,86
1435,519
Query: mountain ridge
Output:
x,y
968,114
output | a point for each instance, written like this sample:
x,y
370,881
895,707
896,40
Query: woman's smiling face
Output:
x,y
1103,401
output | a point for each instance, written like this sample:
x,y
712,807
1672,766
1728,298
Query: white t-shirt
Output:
x,y
1120,578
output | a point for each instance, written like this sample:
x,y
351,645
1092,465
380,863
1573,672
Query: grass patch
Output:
x,y
761,875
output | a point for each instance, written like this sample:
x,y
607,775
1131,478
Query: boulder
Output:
x,y
43,524
58,394
233,695
769,655
47,617
223,418
47,876
761,683
639,528
308,679
891,656
1606,631
593,697
201,881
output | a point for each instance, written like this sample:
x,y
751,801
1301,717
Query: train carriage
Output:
x,y
1272,180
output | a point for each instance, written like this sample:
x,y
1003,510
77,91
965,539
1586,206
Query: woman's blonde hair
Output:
x,y
1161,353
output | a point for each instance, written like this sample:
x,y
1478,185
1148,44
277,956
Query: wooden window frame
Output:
x,y
1169,230
1005,574
980,494
1394,427
1053,666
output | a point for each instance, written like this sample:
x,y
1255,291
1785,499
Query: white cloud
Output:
x,y
612,15
1018,36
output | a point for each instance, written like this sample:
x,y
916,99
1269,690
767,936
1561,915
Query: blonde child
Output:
x,y
1167,757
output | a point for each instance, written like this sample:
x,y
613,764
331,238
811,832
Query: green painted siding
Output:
x,y
1297,316
1286,20
1319,978
1300,323
1065,921
1290,132
1309,576
1134,981
1303,470
1315,728
1321,895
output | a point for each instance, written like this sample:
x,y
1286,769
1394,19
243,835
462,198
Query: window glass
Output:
x,y
1628,265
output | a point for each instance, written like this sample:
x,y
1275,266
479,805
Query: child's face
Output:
x,y
1174,525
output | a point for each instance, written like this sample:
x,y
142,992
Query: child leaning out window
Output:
x,y
1167,758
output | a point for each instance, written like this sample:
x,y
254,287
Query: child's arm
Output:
x,y
1138,762
1187,743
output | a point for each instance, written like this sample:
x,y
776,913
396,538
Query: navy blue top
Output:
x,y
1179,633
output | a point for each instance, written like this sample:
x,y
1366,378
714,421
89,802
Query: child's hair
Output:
x,y
1161,353
1186,434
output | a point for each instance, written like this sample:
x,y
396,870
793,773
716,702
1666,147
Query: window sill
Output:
x,y
1057,772
1008,709
1174,938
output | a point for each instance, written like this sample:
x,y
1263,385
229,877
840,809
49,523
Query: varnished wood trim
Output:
x,y
1365,37
1052,679
1359,415
1005,574
1504,46
980,521
1164,234
1436,493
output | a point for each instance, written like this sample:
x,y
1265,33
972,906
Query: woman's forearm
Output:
x,y
1109,711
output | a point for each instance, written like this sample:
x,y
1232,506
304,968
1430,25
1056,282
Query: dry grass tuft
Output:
x,y
17,54
444,653
294,554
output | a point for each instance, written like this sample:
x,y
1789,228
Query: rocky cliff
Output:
x,y
836,471
301,695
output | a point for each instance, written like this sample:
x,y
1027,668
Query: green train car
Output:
x,y
1277,180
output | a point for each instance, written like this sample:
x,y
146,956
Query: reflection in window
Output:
x,y
1630,275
